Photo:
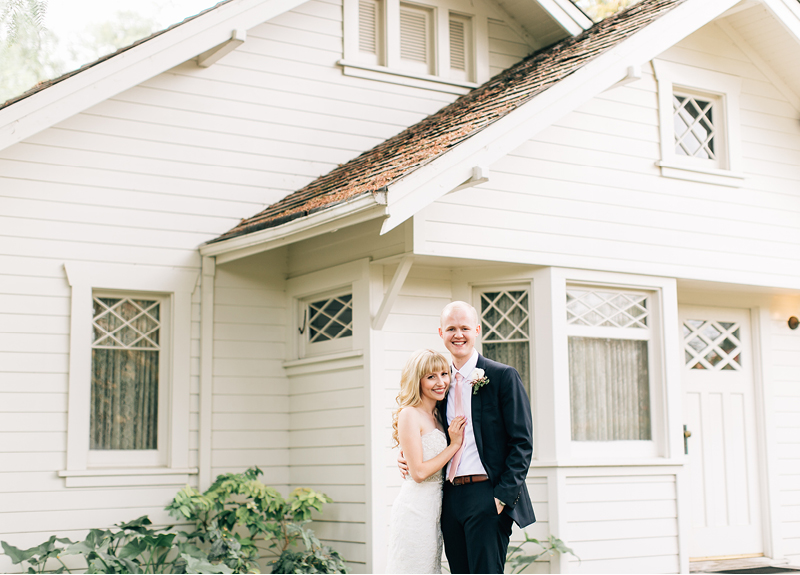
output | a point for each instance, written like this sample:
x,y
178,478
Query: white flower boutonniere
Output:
x,y
478,380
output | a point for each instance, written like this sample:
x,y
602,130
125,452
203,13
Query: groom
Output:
x,y
485,489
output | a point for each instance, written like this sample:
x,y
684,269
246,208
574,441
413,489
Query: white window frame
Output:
x,y
551,373
477,292
390,69
651,334
307,347
350,278
725,91
171,465
143,457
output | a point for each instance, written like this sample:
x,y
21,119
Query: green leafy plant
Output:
x,y
37,556
230,519
133,548
238,511
519,561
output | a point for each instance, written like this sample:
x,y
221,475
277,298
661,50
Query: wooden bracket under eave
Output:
x,y
390,297
208,57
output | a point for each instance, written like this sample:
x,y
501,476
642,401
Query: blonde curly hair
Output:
x,y
421,362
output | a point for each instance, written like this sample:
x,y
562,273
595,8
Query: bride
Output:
x,y
415,540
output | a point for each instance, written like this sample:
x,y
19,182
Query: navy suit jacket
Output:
x,y
501,421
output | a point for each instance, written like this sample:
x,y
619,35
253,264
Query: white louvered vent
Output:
x,y
415,33
457,52
461,62
368,26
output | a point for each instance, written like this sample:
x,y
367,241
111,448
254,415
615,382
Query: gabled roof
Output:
x,y
424,142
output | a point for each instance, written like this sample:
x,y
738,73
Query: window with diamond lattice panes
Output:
x,y
330,318
608,341
712,345
125,373
505,335
695,133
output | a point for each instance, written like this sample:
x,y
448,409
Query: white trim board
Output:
x,y
177,285
353,212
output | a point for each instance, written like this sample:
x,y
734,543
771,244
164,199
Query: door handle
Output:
x,y
686,435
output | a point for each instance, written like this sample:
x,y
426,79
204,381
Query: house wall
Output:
x,y
144,178
587,192
622,521
250,402
785,374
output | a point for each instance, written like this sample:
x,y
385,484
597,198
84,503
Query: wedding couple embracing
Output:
x,y
464,430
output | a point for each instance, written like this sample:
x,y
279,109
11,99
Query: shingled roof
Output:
x,y
427,140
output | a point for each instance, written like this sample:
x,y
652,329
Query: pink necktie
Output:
x,y
451,472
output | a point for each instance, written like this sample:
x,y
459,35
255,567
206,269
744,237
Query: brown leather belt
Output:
x,y
465,479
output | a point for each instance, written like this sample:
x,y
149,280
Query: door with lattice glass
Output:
x,y
719,414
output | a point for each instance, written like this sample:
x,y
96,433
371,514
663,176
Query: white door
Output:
x,y
720,415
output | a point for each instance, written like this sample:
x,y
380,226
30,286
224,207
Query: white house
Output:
x,y
622,207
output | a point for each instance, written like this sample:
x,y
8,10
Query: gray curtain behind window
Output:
x,y
609,389
124,399
516,354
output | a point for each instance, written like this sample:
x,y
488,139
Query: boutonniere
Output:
x,y
478,380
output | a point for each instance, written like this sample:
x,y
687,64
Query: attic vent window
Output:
x,y
418,43
457,52
416,31
369,29
698,112
695,135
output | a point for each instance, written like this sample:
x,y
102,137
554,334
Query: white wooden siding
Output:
x,y
622,524
250,405
506,48
144,178
344,246
786,398
586,192
327,453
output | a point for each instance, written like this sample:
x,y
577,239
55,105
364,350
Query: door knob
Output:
x,y
686,435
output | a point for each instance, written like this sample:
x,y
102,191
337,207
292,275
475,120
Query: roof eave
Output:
x,y
364,208
131,67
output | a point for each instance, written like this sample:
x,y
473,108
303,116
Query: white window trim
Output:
x,y
307,348
346,278
391,72
552,370
627,448
177,285
123,458
727,89
479,289
527,286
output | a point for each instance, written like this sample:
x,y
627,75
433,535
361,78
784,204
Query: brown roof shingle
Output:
x,y
425,141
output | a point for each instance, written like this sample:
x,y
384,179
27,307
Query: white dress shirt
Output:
x,y
470,463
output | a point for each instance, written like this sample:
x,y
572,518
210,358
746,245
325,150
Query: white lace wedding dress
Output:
x,y
415,538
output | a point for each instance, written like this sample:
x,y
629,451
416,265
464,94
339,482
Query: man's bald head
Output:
x,y
460,306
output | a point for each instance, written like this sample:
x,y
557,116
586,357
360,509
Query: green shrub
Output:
x,y
133,548
239,502
229,520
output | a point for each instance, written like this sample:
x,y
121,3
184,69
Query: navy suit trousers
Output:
x,y
475,536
